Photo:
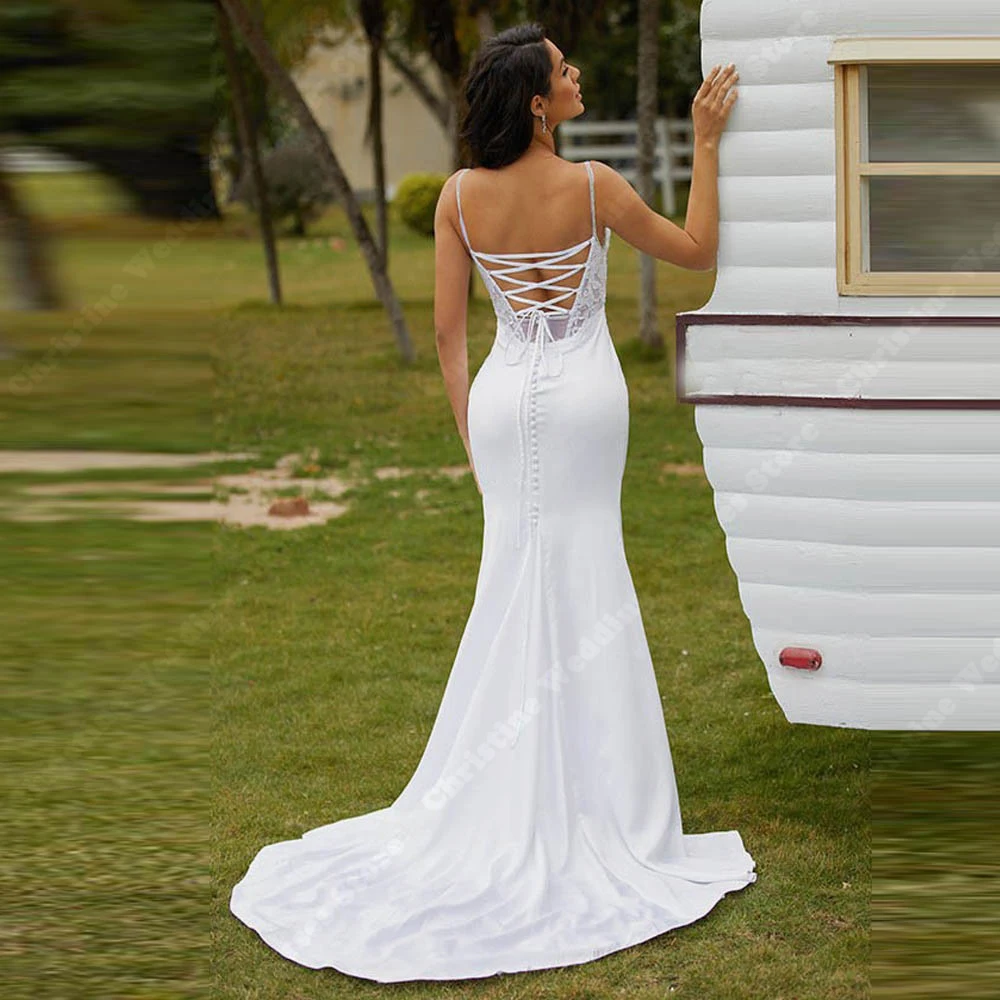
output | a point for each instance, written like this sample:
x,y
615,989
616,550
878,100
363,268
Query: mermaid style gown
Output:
x,y
541,827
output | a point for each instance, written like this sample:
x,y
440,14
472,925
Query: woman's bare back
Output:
x,y
536,205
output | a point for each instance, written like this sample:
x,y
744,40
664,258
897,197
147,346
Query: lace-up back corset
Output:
x,y
564,313
537,333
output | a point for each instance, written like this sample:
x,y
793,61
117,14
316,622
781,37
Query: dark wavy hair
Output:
x,y
506,72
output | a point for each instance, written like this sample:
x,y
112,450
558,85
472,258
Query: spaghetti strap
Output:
x,y
458,199
593,206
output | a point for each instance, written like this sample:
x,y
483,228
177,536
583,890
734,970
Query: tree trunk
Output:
x,y
29,265
439,107
373,19
235,163
282,83
649,23
251,152
457,152
378,154
438,21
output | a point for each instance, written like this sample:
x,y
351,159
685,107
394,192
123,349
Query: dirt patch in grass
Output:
x,y
279,499
52,462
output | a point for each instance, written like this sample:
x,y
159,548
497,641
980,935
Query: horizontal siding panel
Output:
x,y
844,379
765,19
861,477
834,701
837,612
772,60
928,344
801,153
778,244
918,305
774,290
794,198
915,568
960,661
899,706
894,432
732,20
820,698
782,107
889,306
744,514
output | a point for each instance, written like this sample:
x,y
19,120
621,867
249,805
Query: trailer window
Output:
x,y
918,166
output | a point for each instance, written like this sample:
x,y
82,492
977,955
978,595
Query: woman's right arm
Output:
x,y
695,246
452,270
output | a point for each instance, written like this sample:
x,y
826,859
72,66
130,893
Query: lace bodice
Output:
x,y
553,317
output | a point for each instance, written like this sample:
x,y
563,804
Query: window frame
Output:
x,y
850,58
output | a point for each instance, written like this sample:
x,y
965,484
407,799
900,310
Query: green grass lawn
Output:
x,y
935,906
184,694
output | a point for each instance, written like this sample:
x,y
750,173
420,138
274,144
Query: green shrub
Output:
x,y
416,200
297,187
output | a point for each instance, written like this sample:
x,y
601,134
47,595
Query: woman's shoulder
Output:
x,y
450,183
602,171
452,179
449,196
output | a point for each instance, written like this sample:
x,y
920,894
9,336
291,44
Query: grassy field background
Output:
x,y
181,694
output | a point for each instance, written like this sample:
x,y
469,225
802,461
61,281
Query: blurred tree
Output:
x,y
265,121
246,130
253,33
125,86
435,26
450,32
293,31
373,19
608,44
30,274
298,189
647,60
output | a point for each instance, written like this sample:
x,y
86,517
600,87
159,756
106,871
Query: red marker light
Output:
x,y
801,658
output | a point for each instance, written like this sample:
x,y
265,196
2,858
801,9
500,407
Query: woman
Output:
x,y
542,826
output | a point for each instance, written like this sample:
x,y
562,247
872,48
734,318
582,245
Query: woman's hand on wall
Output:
x,y
713,103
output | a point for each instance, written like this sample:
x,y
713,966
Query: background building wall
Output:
x,y
334,82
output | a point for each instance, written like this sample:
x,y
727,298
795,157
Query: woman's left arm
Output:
x,y
452,270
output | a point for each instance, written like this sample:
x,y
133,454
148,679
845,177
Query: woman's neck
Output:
x,y
542,145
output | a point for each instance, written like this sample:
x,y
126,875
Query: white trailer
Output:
x,y
846,371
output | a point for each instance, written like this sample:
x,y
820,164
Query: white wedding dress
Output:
x,y
541,827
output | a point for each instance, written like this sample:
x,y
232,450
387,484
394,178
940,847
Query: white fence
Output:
x,y
31,160
616,144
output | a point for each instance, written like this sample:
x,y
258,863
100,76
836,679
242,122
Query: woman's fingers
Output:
x,y
724,76
724,86
715,98
719,79
708,82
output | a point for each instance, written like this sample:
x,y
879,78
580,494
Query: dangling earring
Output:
x,y
545,126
